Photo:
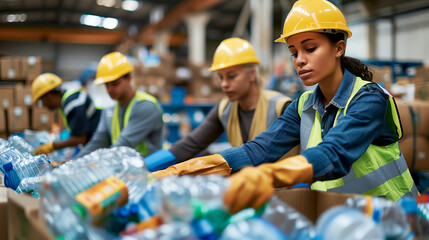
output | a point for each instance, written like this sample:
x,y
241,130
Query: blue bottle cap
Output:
x,y
409,205
8,166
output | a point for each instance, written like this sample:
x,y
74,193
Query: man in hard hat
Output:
x,y
136,119
245,112
76,108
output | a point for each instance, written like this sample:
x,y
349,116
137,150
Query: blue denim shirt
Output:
x,y
367,122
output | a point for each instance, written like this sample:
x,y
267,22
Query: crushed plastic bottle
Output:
x,y
346,223
170,231
292,223
388,214
253,229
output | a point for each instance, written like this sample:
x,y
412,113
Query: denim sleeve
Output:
x,y
351,137
269,146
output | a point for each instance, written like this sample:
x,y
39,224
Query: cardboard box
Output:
x,y
422,73
3,212
6,97
23,96
422,91
311,203
10,68
23,218
31,67
41,119
422,151
3,135
2,120
18,119
383,76
421,116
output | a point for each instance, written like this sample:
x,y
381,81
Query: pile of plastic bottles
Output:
x,y
21,170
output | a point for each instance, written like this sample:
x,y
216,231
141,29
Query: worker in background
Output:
x,y
348,127
136,119
246,111
75,106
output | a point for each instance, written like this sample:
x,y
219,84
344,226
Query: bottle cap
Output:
x,y
409,205
8,166
79,210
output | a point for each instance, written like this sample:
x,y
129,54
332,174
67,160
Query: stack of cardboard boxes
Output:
x,y
17,111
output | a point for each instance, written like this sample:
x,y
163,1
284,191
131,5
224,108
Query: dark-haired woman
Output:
x,y
348,127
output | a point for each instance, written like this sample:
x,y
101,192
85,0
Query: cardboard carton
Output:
x,y
311,203
18,119
6,97
421,116
31,68
383,76
23,96
10,68
2,120
422,90
3,212
41,119
422,73
23,218
421,154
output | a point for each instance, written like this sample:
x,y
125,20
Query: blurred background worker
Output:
x,y
246,111
136,119
348,127
76,108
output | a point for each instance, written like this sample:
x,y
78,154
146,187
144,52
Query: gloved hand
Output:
x,y
211,164
44,149
254,186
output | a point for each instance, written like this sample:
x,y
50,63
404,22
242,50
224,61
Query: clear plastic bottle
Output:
x,y
20,144
346,223
418,223
388,214
169,231
288,220
253,229
17,171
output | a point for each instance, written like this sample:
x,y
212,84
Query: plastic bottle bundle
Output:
x,y
37,138
20,144
389,215
93,187
24,174
3,143
288,220
347,223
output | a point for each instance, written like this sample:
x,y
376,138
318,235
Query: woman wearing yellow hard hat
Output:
x,y
348,127
246,111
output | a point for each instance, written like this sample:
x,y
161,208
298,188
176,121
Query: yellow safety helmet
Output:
x,y
43,84
231,52
111,67
313,16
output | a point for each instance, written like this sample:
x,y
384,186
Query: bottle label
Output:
x,y
106,194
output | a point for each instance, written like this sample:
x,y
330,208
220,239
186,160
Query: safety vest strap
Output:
x,y
65,112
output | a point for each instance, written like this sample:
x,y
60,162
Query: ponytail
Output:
x,y
353,65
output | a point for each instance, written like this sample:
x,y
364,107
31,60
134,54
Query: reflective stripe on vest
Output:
x,y
268,108
74,103
116,129
380,171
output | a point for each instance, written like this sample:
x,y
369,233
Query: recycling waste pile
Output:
x,y
110,194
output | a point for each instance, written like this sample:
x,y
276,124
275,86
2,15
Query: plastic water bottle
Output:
x,y
288,220
388,214
346,223
416,218
253,229
169,231
3,143
20,144
16,171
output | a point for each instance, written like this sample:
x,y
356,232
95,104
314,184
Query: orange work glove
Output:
x,y
44,149
211,164
254,186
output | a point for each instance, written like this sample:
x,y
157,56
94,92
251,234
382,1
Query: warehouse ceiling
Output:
x,y
37,20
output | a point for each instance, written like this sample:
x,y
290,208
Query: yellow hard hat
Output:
x,y
44,83
111,67
231,52
313,16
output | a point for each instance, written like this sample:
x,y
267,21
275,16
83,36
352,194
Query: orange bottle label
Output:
x,y
108,193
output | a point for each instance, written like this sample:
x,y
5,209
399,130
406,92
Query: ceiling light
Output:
x,y
106,3
110,23
15,17
91,20
130,5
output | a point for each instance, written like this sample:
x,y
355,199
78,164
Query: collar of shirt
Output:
x,y
341,96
